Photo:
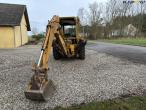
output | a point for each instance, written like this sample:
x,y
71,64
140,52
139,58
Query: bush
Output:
x,y
38,37
35,39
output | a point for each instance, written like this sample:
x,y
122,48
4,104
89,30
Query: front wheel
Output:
x,y
56,54
81,53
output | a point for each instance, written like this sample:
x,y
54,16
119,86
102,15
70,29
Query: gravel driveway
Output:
x,y
98,77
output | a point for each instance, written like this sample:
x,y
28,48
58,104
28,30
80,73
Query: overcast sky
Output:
x,y
41,10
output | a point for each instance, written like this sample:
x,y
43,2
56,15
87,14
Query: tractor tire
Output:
x,y
81,53
56,54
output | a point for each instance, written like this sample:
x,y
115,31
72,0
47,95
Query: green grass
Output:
x,y
130,41
131,103
90,42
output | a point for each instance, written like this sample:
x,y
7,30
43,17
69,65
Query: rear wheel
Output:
x,y
81,53
56,54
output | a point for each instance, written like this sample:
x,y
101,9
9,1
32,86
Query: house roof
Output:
x,y
11,15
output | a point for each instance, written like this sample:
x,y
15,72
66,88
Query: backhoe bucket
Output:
x,y
41,95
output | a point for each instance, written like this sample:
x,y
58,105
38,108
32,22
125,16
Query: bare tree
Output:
x,y
116,17
111,12
82,14
95,19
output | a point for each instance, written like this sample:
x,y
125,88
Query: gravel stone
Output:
x,y
98,77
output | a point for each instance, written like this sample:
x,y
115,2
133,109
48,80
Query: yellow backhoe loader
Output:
x,y
62,34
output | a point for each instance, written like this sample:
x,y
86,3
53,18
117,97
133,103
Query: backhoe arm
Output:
x,y
53,31
39,85
52,28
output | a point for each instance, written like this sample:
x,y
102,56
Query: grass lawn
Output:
x,y
90,42
136,41
131,103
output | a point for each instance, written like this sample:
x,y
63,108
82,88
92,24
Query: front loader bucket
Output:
x,y
43,94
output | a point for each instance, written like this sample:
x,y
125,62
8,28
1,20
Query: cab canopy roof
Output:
x,y
69,20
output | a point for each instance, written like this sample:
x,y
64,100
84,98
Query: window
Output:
x,y
70,30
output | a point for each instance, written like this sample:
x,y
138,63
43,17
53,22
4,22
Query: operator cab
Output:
x,y
68,25
68,28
